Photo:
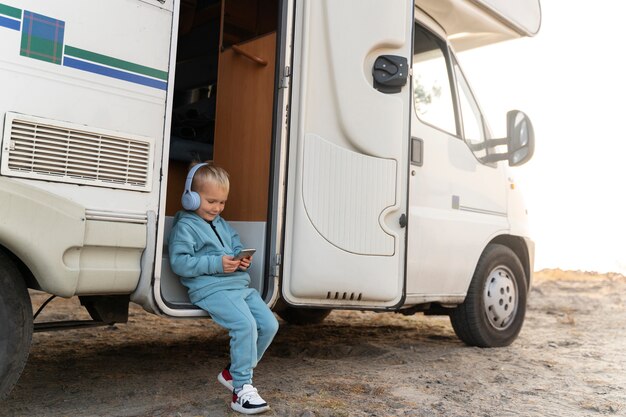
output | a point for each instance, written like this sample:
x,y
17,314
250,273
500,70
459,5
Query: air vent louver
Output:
x,y
57,151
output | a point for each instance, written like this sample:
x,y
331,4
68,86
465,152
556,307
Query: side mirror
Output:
x,y
519,141
520,138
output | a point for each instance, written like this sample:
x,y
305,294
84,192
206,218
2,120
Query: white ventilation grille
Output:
x,y
61,152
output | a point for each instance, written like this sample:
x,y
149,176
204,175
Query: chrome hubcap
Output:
x,y
500,297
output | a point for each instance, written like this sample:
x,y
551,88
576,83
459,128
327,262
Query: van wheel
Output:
x,y
493,311
16,324
302,316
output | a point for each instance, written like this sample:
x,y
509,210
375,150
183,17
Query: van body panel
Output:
x,y
352,223
524,16
516,209
67,253
362,169
109,260
109,78
40,228
474,23
457,204
344,244
85,91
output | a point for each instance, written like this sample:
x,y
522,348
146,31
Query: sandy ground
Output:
x,y
570,360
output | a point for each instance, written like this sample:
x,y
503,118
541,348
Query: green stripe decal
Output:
x,y
114,62
10,11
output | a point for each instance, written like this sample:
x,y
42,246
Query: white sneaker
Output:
x,y
248,401
226,379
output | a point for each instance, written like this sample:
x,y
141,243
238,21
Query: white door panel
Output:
x,y
443,254
328,275
348,156
344,194
357,33
456,206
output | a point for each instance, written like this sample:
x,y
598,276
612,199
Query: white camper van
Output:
x,y
362,169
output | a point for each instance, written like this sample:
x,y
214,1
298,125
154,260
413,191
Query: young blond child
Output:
x,y
201,249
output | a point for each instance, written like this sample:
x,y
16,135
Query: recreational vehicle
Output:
x,y
362,168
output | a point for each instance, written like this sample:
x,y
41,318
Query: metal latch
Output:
x,y
390,73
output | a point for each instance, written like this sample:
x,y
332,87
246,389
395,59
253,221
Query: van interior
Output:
x,y
222,112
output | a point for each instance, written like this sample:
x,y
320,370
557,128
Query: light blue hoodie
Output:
x,y
196,255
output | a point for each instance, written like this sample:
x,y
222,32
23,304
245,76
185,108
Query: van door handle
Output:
x,y
390,73
417,151
402,220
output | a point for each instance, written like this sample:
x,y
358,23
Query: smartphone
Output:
x,y
244,253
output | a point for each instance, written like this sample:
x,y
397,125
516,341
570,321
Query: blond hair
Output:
x,y
210,174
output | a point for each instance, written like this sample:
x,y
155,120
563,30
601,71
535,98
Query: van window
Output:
x,y
472,119
432,94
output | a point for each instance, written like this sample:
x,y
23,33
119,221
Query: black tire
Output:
x,y
493,312
16,324
303,316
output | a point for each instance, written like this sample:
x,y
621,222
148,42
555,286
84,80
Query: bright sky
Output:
x,y
570,80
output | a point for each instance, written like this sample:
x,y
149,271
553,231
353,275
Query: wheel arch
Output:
x,y
25,272
493,311
43,233
521,249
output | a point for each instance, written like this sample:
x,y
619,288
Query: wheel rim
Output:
x,y
500,297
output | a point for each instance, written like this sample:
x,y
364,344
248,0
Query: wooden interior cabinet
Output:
x,y
243,127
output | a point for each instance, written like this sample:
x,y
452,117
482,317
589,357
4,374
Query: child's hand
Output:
x,y
229,264
245,263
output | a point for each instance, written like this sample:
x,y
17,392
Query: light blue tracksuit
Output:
x,y
196,256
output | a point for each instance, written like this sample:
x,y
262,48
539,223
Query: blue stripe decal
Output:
x,y
10,23
110,72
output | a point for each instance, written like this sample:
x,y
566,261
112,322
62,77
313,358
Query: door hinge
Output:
x,y
284,80
277,261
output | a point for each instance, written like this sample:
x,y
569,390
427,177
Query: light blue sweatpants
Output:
x,y
250,323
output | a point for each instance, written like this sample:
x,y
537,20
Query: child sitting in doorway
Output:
x,y
201,249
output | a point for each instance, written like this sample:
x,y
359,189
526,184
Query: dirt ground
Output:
x,y
569,360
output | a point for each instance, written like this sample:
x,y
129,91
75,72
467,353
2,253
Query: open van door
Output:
x,y
345,229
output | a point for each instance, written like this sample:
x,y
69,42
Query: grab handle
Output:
x,y
248,55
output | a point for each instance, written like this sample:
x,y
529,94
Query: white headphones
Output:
x,y
191,199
